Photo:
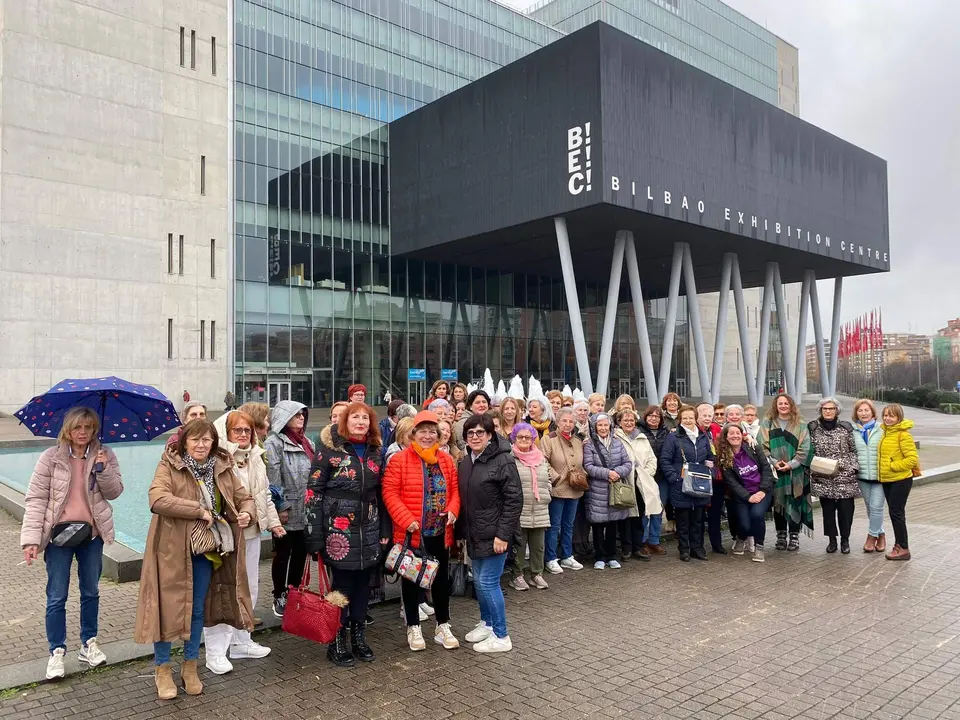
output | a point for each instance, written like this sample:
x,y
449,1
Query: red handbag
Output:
x,y
308,614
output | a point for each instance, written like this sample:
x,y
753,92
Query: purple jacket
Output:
x,y
598,461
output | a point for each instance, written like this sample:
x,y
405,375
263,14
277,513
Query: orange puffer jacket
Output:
x,y
403,492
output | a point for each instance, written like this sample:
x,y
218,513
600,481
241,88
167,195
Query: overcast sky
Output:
x,y
883,74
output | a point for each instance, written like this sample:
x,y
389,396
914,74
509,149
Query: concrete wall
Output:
x,y
788,77
101,133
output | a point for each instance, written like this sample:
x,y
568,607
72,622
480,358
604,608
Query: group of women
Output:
x,y
508,485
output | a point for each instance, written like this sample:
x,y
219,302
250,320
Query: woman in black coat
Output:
x,y
750,481
688,444
651,425
491,498
346,519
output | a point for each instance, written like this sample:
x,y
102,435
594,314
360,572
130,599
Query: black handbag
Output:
x,y
71,534
458,579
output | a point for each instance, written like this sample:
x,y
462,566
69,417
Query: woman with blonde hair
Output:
x,y
67,515
260,414
786,443
509,414
622,403
899,464
867,433
446,441
597,403
555,398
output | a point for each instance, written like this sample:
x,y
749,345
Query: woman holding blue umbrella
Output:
x,y
68,515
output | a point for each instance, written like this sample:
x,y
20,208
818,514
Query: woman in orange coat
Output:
x,y
422,497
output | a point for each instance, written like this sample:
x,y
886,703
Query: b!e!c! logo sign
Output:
x,y
578,159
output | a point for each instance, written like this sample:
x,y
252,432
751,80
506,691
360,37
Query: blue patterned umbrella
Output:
x,y
128,412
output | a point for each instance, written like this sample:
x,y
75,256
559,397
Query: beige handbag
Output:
x,y
827,467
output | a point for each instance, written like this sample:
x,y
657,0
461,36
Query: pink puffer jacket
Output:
x,y
47,494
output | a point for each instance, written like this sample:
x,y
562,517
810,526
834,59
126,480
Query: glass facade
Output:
x,y
319,301
704,33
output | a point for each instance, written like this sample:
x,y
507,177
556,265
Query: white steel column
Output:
x,y
640,317
745,351
721,336
765,309
835,335
670,322
818,332
693,308
787,359
573,305
610,316
800,369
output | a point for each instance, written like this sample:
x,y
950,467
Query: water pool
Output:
x,y
131,512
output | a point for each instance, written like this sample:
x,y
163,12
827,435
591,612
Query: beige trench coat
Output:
x,y
644,471
166,579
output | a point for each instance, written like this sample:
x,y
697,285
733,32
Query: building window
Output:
x,y
203,339
203,174
213,339
193,49
169,253
213,55
181,254
213,257
183,48
169,338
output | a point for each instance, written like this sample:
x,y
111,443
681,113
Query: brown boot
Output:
x,y
163,676
191,681
656,549
870,545
881,545
898,553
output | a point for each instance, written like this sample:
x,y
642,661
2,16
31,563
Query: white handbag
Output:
x,y
828,467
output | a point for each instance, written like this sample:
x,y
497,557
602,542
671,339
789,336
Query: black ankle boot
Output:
x,y
832,545
358,641
845,546
794,543
337,651
781,540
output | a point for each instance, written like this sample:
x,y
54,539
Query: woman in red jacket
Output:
x,y
422,497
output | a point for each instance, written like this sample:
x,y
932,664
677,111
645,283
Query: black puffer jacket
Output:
x,y
491,498
656,438
345,517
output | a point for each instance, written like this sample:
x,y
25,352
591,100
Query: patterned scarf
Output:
x,y
211,500
791,491
203,474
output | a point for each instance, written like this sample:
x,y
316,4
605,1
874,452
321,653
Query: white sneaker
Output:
x,y
599,565
219,665
55,664
613,565
426,608
249,650
751,544
91,654
518,583
444,636
480,633
758,553
403,613
738,546
538,582
493,644
571,563
553,567
415,638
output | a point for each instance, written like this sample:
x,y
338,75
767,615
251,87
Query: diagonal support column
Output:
x,y
765,310
610,316
640,317
784,327
670,322
746,353
721,336
800,369
835,336
818,332
693,309
573,305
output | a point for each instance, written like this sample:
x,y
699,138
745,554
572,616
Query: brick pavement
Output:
x,y
805,635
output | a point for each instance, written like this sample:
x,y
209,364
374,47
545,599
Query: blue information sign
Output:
x,y
414,374
449,374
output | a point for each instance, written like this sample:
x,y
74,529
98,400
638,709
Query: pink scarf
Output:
x,y
531,459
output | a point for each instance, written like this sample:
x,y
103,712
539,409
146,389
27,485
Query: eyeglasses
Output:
x,y
242,431
201,441
476,433
828,408
524,437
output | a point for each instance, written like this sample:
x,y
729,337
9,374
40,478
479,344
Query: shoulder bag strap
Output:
x,y
599,449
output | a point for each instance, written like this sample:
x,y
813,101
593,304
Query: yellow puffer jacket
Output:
x,y
898,452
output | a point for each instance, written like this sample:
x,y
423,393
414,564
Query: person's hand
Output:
x,y
284,516
613,476
384,541
30,553
782,466
413,527
757,497
207,518
709,464
451,518
278,531
243,519
499,546
101,456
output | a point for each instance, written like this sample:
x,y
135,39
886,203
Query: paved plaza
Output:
x,y
805,635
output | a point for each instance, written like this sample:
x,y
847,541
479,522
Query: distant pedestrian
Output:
x,y
67,515
534,472
899,464
832,439
786,443
229,401
867,435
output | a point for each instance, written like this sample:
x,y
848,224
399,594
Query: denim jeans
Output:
x,y
751,518
873,498
486,581
563,512
89,563
651,529
202,573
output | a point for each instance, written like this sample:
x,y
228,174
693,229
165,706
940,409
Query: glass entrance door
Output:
x,y
278,390
416,393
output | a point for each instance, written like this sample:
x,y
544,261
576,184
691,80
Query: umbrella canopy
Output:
x,y
128,412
